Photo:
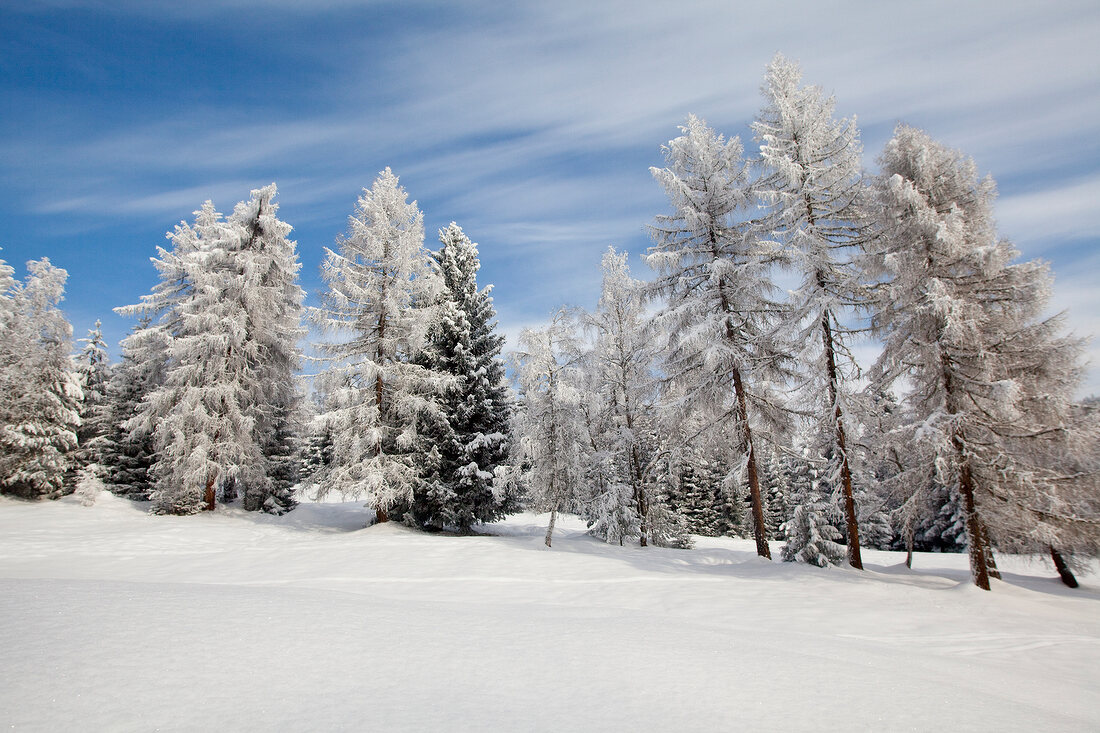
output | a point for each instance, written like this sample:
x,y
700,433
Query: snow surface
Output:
x,y
113,619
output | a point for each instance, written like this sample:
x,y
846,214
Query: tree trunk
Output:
x,y
990,561
855,559
909,543
758,529
979,565
1063,570
209,495
380,516
550,529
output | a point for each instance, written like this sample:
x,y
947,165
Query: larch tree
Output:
x,y
466,485
988,380
550,423
42,395
815,203
381,297
624,385
721,347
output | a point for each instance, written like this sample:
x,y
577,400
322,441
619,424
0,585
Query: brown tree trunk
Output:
x,y
855,559
380,516
979,565
1063,570
758,529
209,495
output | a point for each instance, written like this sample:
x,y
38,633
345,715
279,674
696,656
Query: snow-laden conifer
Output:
x,y
550,424
94,371
814,199
466,485
40,410
624,387
719,320
267,267
201,417
379,307
129,450
989,381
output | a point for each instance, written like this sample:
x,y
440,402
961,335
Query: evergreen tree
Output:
x,y
624,417
381,291
814,194
129,450
989,380
811,536
267,266
42,396
94,371
722,350
550,421
473,438
202,415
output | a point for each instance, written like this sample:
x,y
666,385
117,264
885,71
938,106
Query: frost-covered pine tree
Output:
x,y
129,453
624,387
814,198
810,535
201,417
267,267
473,439
41,390
721,351
958,320
550,422
380,298
94,370
777,469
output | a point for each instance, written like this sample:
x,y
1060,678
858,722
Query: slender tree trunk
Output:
x,y
990,561
979,566
1063,570
758,529
640,500
909,543
855,559
380,516
209,495
550,528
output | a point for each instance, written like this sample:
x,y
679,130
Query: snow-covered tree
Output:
x,y
810,535
41,390
814,196
721,352
267,267
989,381
129,452
381,295
550,421
201,416
473,439
94,371
624,390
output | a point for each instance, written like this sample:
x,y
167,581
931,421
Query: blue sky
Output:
x,y
532,124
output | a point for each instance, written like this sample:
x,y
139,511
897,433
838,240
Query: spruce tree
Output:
x,y
94,371
465,485
129,451
267,266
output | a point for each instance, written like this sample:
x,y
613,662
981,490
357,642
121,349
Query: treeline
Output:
x,y
708,400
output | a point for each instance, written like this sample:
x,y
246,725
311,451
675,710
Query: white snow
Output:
x,y
114,619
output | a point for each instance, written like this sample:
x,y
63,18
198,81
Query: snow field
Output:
x,y
117,620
